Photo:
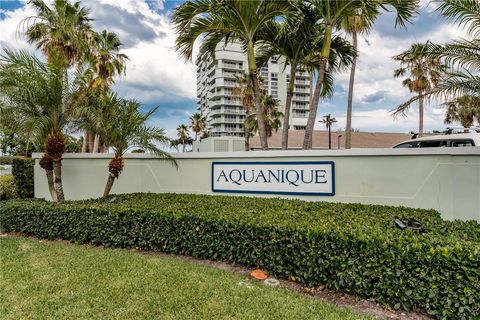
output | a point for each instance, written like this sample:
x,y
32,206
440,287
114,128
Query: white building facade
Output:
x,y
224,111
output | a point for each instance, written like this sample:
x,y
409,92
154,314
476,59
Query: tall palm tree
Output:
x,y
328,120
61,29
464,109
271,116
230,20
424,75
330,15
47,101
293,44
184,136
197,123
107,58
362,22
462,56
130,130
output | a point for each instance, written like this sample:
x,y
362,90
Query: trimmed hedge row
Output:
x,y
22,170
8,189
349,247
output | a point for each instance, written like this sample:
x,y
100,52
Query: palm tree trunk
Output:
x,y
330,137
90,142
108,186
183,147
348,128
246,132
420,115
96,143
256,94
57,182
288,105
51,187
85,142
322,67
312,115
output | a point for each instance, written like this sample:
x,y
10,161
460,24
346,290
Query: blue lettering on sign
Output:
x,y
294,178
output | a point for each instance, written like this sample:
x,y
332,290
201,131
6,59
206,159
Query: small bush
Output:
x,y
22,170
348,247
8,159
8,188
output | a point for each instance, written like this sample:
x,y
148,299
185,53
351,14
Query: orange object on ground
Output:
x,y
259,274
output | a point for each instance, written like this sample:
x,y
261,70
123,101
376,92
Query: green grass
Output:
x,y
54,280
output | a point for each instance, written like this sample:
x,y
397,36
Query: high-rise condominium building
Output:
x,y
224,110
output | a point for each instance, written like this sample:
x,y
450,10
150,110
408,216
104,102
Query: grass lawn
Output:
x,y
56,280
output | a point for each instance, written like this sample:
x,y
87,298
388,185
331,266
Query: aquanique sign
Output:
x,y
300,178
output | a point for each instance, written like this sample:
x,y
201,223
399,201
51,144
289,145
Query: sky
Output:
x,y
157,76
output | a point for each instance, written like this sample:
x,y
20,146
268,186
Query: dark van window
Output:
x,y
431,144
462,143
411,144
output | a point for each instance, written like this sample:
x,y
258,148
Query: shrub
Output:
x,y
22,170
349,247
8,189
7,159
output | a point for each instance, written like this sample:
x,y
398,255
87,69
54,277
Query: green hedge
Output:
x,y
348,247
8,188
7,159
22,170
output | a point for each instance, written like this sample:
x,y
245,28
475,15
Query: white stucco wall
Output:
x,y
447,180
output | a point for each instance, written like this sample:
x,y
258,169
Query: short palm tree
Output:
x,y
331,14
198,123
271,116
464,109
230,20
61,29
328,120
130,130
46,99
424,75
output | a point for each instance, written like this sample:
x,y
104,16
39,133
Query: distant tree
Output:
x,y
464,109
271,116
198,123
328,120
184,136
424,75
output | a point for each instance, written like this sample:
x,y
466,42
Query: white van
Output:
x,y
448,140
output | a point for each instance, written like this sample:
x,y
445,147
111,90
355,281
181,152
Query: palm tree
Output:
x,y
425,74
328,120
130,130
198,123
362,22
46,98
107,58
331,14
464,109
63,29
244,90
230,20
292,44
462,56
183,136
271,116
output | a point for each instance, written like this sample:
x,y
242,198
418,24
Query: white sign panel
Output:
x,y
300,178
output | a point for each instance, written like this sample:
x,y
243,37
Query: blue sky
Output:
x,y
158,77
